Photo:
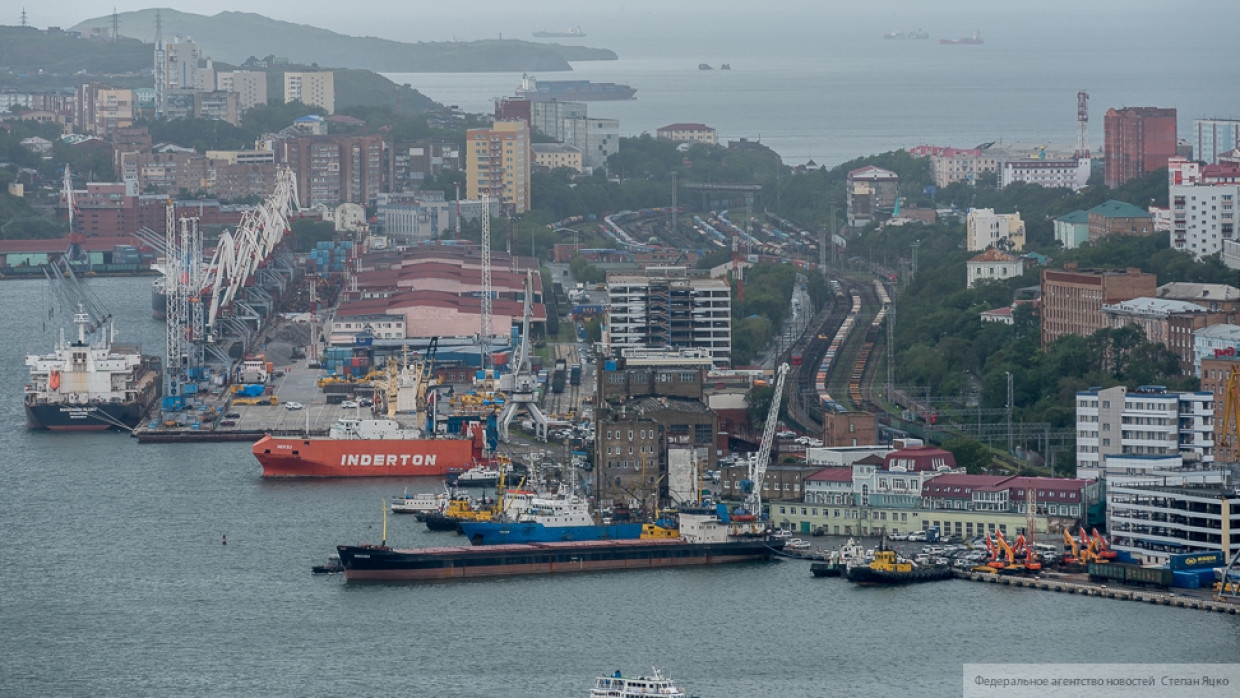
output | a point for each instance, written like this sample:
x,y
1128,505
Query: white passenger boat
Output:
x,y
417,504
617,686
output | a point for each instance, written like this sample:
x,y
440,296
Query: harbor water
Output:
x,y
117,582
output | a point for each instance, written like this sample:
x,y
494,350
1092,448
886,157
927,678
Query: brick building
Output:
x,y
1118,218
1072,298
335,169
849,429
1138,140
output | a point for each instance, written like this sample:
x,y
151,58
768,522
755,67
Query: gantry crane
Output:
x,y
752,487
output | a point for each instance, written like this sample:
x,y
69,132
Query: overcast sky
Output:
x,y
423,20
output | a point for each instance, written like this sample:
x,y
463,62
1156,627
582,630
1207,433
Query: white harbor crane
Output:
x,y
752,486
521,385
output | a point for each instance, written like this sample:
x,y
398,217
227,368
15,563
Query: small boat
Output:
x,y
419,504
332,567
830,568
617,686
482,475
704,66
457,510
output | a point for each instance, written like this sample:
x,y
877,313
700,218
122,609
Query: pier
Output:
x,y
1158,598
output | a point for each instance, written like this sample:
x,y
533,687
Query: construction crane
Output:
x,y
752,487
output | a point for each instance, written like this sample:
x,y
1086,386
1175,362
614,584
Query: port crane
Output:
x,y
521,384
752,486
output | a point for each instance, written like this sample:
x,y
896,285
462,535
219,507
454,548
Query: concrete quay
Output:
x,y
1158,598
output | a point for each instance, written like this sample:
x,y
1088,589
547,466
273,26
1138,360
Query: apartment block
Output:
x,y
871,192
412,162
1149,421
99,110
250,86
335,169
1138,140
556,155
951,165
654,312
984,228
316,89
497,164
1214,137
1204,213
1072,298
1051,173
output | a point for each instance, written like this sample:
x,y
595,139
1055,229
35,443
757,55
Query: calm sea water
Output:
x,y
817,80
115,583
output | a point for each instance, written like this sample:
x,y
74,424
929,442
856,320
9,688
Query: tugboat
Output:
x,y
887,568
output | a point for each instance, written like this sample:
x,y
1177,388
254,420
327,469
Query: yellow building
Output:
x,y
314,89
553,155
497,164
688,133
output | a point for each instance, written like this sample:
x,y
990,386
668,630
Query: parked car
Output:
x,y
293,405
233,415
917,536
228,423
350,404
897,536
365,402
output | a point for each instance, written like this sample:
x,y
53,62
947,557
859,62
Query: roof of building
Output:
x,y
550,148
1182,290
650,403
1153,307
1119,209
345,119
686,127
872,172
836,473
1074,217
993,255
467,305
1005,311
960,486
920,458
1221,331
872,459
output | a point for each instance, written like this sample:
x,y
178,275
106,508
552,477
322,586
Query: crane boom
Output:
x,y
757,467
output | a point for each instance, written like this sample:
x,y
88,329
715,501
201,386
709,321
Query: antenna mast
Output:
x,y
1082,124
484,339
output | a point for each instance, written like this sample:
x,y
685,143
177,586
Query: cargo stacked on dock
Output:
x,y
329,256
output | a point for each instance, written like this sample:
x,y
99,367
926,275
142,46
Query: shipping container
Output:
x,y
1185,580
1189,561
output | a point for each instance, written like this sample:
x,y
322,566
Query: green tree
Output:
x,y
972,455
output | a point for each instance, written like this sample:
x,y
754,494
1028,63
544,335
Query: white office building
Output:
x,y
1149,421
1203,217
1064,173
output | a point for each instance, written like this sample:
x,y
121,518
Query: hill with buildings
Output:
x,y
232,37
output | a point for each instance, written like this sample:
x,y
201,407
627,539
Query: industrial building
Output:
x,y
1153,521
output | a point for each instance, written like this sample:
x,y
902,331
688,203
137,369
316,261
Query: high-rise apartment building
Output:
x,y
1138,140
99,110
1072,298
666,312
1214,137
335,169
497,164
250,86
316,89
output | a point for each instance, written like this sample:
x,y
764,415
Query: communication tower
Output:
x,y
1082,124
484,337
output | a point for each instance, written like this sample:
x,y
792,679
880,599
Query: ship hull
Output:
x,y
493,533
324,457
384,565
89,417
867,576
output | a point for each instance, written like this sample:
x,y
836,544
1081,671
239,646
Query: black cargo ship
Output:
x,y
381,563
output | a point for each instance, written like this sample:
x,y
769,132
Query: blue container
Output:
x,y
1186,580
609,365
1190,561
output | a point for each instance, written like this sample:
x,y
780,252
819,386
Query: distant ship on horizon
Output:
x,y
975,39
900,34
573,33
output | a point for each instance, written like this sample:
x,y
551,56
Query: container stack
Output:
x,y
330,256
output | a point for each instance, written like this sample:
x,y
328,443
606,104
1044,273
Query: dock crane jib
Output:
x,y
757,465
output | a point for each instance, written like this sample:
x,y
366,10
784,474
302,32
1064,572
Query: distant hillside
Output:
x,y
233,37
26,50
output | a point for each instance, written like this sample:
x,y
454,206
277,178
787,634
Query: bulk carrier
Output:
x,y
572,90
90,387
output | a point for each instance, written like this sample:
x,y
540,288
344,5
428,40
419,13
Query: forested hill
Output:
x,y
233,37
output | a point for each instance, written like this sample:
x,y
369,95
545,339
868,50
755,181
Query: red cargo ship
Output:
x,y
370,448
